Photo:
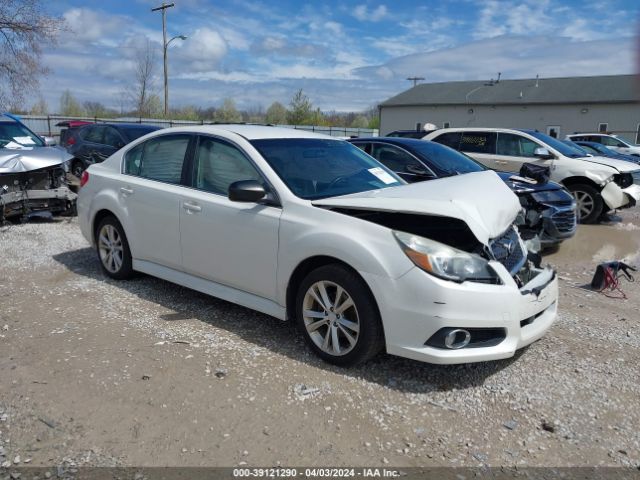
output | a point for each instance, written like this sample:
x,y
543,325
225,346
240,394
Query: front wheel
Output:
x,y
113,249
589,203
338,316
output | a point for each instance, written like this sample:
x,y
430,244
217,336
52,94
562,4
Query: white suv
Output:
x,y
610,141
599,184
307,227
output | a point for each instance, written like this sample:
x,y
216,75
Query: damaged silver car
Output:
x,y
32,175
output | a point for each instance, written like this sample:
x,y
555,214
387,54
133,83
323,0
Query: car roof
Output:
x,y
591,135
251,132
126,125
394,140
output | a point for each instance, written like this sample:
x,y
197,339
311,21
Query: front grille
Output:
x,y
507,250
565,221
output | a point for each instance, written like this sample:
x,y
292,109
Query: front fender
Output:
x,y
366,247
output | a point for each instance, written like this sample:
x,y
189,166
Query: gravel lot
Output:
x,y
146,373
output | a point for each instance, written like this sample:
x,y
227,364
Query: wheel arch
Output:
x,y
577,180
98,217
304,268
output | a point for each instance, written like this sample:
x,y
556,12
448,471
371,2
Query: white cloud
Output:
x,y
362,13
201,51
514,56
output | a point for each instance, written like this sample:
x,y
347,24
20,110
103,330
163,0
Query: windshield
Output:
x,y
16,135
318,168
564,149
446,161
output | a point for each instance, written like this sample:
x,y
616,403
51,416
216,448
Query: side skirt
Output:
x,y
214,289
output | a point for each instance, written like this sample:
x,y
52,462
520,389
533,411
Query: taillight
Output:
x,y
84,178
71,141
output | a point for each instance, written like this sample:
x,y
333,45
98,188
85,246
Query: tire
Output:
x,y
109,236
77,167
357,328
589,203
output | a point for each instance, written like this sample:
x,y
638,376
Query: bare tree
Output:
x,y
24,29
142,90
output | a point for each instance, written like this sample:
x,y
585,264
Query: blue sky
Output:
x,y
346,55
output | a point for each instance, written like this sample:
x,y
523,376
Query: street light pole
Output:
x,y
163,9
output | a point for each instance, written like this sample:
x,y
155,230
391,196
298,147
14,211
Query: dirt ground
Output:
x,y
146,373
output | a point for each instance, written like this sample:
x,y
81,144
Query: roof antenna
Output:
x,y
537,83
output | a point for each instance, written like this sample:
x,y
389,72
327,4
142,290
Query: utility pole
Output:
x,y
163,9
415,80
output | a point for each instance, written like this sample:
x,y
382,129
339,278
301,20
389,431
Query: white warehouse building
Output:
x,y
557,106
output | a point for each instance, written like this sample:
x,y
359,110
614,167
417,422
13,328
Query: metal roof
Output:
x,y
569,90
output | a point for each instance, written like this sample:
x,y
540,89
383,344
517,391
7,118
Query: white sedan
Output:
x,y
306,227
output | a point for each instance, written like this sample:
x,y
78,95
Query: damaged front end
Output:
x,y
33,183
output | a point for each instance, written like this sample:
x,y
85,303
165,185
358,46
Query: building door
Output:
x,y
553,131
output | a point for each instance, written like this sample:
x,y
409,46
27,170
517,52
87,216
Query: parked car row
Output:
x,y
311,228
599,184
550,211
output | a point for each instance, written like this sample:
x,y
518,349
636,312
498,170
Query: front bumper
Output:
x,y
25,202
615,197
415,306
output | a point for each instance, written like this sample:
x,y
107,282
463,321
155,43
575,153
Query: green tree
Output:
x,y
40,107
69,105
301,112
360,121
277,114
228,112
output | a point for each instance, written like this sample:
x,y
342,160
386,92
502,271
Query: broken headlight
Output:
x,y
444,261
623,180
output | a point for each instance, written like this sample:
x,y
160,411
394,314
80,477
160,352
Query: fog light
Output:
x,y
457,338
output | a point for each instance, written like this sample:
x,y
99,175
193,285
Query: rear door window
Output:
x,y
112,138
162,158
94,134
478,142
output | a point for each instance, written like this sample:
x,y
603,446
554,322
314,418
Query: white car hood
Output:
x,y
621,165
480,199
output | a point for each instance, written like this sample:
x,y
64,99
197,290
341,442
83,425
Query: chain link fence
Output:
x,y
47,125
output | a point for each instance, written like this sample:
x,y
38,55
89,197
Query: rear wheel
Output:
x,y
589,204
113,249
338,317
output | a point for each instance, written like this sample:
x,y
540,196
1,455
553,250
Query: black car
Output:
x,y
96,142
550,211
407,133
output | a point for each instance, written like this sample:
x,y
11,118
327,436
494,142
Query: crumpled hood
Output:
x,y
27,159
480,199
622,166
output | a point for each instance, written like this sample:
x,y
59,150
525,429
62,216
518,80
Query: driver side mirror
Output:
x,y
49,141
250,191
543,153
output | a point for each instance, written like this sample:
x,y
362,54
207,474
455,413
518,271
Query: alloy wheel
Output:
x,y
331,318
110,248
584,203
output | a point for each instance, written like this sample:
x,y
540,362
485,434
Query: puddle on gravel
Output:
x,y
600,243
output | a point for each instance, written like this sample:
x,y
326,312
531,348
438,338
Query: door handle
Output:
x,y
191,207
126,191
501,162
